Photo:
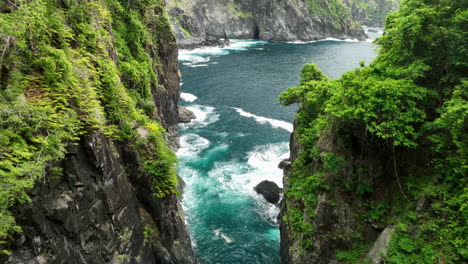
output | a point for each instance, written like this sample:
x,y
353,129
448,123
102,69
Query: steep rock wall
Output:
x,y
371,13
104,192
195,21
344,218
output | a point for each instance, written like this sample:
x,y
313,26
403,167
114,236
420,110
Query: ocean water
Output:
x,y
240,135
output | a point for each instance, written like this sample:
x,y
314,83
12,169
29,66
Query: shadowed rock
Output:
x,y
269,190
185,115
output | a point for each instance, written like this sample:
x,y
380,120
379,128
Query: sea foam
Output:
x,y
193,58
205,115
191,145
241,177
187,97
325,39
265,120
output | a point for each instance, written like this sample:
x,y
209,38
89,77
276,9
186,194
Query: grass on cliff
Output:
x,y
375,10
68,69
335,10
414,96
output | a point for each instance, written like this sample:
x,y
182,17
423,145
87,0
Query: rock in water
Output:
x,y
185,115
269,190
284,164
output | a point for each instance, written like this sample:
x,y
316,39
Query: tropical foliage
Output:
x,y
70,69
413,96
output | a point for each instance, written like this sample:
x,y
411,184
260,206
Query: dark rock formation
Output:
x,y
284,164
185,115
335,217
98,212
101,208
196,21
269,190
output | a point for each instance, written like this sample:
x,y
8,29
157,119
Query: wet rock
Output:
x,y
284,164
269,190
185,115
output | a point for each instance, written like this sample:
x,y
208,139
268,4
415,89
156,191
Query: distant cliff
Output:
x,y
88,112
195,21
371,13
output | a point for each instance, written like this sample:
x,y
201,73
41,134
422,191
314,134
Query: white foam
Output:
x,y
264,120
325,39
195,65
301,42
242,44
190,55
204,115
238,177
191,145
378,29
343,40
202,55
187,97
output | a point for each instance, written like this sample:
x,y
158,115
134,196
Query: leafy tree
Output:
x,y
413,95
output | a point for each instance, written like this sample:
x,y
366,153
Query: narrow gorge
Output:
x,y
233,131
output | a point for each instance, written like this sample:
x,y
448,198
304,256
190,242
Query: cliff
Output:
x,y
371,13
378,164
88,104
196,21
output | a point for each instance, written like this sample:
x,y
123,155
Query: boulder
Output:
x,y
185,115
380,247
285,164
269,190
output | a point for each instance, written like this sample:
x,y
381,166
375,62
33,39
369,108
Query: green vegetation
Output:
x,y
236,11
186,32
151,234
373,11
368,12
353,256
335,10
411,99
69,69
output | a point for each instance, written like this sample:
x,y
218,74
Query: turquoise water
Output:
x,y
239,137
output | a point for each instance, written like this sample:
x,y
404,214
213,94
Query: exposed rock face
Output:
x,y
102,208
97,212
338,213
185,115
286,20
371,13
269,190
166,96
380,247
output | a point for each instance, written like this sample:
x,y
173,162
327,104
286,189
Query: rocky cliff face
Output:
x,y
340,220
371,13
378,188
195,21
108,197
98,212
